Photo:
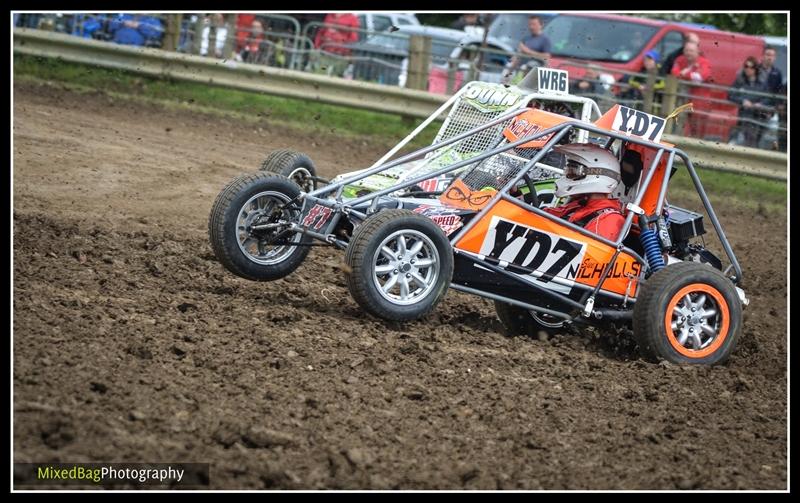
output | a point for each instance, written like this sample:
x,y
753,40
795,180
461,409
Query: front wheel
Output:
x,y
687,313
248,227
400,265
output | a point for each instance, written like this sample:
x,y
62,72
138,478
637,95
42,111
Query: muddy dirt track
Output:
x,y
131,343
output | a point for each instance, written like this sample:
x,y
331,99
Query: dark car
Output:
x,y
383,57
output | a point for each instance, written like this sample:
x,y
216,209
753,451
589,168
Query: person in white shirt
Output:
x,y
217,23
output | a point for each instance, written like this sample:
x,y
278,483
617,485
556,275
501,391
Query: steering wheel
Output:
x,y
531,197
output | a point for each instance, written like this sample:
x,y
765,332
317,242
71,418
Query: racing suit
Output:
x,y
601,216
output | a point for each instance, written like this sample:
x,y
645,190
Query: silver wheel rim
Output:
x,y
256,208
696,320
405,267
302,177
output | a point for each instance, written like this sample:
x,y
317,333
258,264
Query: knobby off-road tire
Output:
x,y
400,265
687,313
247,200
519,321
295,166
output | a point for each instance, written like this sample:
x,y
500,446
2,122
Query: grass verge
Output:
x,y
752,192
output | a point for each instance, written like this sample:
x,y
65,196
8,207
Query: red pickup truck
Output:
x,y
617,42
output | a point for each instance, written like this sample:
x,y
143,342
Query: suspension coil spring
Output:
x,y
652,250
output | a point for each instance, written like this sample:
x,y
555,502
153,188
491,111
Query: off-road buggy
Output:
x,y
484,235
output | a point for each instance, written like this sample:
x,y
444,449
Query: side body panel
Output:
x,y
546,252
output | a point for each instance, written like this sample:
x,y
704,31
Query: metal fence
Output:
x,y
441,66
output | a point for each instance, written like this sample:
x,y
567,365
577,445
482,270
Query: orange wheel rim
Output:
x,y
697,320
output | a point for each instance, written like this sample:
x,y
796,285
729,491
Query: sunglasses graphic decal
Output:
x,y
461,198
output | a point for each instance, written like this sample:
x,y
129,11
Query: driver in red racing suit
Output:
x,y
590,175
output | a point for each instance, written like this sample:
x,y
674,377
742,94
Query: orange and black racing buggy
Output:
x,y
487,234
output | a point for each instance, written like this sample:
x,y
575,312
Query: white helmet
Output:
x,y
590,169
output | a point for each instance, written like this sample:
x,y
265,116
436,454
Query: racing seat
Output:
x,y
631,167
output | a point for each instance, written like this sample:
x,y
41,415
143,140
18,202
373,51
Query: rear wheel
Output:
x,y
400,265
295,166
687,313
520,321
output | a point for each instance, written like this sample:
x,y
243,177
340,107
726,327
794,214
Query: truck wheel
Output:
x,y
400,265
519,321
295,166
687,313
258,254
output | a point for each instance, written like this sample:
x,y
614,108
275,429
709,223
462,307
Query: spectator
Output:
x,y
630,47
666,66
244,23
332,41
469,19
638,84
588,83
217,23
252,49
536,45
91,26
752,108
636,42
135,29
343,30
187,36
768,73
28,20
781,108
276,40
693,67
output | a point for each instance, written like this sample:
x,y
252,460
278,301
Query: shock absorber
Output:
x,y
652,248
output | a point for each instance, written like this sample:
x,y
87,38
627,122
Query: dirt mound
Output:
x,y
131,343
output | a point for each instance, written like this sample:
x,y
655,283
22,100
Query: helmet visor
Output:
x,y
574,171
577,171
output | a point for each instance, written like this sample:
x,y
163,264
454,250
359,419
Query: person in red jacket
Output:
x,y
693,67
253,49
243,24
590,175
332,39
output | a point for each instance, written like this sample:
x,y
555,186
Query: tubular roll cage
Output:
x,y
341,208
588,106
